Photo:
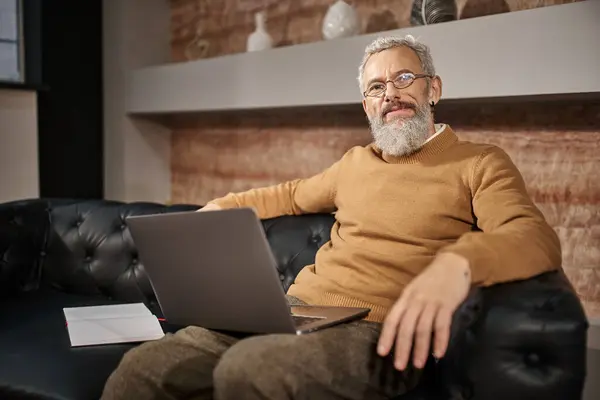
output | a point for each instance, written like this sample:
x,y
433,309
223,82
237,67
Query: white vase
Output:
x,y
260,38
341,20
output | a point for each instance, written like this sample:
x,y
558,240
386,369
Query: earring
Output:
x,y
432,103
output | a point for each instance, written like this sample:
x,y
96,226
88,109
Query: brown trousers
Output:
x,y
335,363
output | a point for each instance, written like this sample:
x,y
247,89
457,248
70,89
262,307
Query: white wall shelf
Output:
x,y
547,51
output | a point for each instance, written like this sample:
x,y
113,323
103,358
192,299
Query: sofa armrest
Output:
x,y
528,341
23,230
442,376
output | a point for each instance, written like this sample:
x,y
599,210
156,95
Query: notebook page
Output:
x,y
120,323
114,330
109,311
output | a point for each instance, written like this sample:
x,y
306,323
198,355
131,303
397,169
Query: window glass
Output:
x,y
10,41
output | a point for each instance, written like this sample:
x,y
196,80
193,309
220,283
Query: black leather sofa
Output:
x,y
523,340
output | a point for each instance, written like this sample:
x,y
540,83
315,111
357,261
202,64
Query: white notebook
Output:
x,y
121,323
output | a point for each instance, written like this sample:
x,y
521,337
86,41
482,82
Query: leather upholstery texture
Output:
x,y
521,340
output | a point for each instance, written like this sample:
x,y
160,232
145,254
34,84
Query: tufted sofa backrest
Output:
x,y
295,241
89,249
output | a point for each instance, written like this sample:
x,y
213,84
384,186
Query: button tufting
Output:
x,y
123,227
532,359
281,277
315,239
134,261
88,259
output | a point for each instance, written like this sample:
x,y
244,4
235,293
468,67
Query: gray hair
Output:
x,y
389,42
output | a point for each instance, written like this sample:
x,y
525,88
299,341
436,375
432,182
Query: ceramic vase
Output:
x,y
341,20
260,38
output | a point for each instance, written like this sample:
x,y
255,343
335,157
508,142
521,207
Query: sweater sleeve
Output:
x,y
514,242
301,196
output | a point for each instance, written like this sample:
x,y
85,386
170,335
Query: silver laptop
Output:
x,y
215,269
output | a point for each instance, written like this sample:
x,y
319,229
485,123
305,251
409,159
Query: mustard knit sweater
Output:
x,y
394,214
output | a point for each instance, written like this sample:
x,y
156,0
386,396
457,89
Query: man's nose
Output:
x,y
391,92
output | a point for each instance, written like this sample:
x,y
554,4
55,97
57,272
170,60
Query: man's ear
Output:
x,y
435,89
364,103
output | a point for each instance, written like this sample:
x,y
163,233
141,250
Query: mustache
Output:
x,y
398,105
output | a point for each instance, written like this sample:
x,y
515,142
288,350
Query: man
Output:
x,y
420,217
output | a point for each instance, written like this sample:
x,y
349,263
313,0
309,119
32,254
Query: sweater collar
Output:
x,y
435,145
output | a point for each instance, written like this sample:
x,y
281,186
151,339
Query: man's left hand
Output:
x,y
424,310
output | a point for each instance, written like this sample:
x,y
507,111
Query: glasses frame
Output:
x,y
414,78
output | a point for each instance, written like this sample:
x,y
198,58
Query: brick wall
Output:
x,y
555,144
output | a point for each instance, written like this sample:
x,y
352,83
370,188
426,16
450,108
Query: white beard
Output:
x,y
402,136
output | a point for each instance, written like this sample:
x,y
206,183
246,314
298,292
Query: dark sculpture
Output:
x,y
427,12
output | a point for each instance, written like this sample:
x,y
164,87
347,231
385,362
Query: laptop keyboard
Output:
x,y
301,320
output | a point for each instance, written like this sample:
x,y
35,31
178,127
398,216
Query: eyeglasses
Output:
x,y
402,81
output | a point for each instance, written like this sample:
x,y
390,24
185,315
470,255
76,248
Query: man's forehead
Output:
x,y
391,60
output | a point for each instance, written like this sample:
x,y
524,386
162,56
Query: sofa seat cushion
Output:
x,y
36,360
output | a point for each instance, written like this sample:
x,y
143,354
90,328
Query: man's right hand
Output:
x,y
209,207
